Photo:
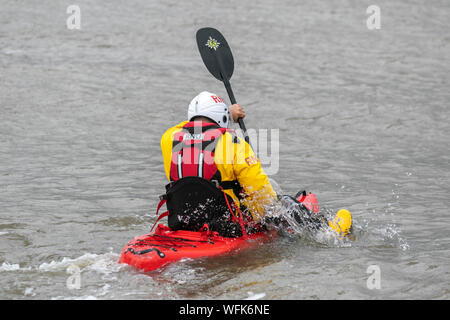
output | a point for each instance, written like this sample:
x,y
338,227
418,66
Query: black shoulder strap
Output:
x,y
234,185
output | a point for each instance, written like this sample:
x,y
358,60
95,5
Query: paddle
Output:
x,y
218,59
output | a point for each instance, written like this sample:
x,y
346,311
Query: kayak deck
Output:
x,y
154,250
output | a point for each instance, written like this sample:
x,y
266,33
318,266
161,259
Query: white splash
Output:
x,y
106,263
10,267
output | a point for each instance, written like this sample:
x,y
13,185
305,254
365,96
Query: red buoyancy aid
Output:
x,y
193,157
193,151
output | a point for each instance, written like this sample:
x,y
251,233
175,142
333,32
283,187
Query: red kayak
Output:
x,y
154,250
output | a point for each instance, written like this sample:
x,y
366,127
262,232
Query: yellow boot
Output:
x,y
342,222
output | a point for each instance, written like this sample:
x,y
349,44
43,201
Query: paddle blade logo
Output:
x,y
212,43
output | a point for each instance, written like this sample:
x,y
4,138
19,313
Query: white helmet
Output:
x,y
211,106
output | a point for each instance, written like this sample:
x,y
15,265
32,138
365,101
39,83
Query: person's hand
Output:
x,y
237,112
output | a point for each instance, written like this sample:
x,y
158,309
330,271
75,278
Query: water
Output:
x,y
363,123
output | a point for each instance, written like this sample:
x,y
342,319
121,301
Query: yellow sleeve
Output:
x,y
166,146
253,179
238,161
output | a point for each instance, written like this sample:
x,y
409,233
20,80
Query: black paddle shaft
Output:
x,y
233,101
218,59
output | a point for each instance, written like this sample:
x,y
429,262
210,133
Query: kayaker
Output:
x,y
216,180
205,159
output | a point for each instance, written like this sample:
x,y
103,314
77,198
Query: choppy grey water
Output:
x,y
363,119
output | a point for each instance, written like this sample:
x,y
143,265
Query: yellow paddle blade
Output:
x,y
342,222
